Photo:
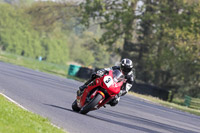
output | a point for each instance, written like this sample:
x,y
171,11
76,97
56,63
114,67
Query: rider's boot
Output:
x,y
114,102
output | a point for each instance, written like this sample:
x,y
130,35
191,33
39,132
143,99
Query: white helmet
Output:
x,y
126,66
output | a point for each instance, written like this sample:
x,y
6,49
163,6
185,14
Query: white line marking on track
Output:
x,y
13,101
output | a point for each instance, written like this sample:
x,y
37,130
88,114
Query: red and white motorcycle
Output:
x,y
99,92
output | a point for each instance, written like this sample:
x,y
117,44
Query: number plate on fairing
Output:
x,y
108,81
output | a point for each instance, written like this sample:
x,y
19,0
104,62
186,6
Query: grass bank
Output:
x,y
61,70
167,104
14,119
43,66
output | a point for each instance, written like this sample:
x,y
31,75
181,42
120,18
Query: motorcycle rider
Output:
x,y
126,67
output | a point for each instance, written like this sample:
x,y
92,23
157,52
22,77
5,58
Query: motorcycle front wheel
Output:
x,y
88,107
75,107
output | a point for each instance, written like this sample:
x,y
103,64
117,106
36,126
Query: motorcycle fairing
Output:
x,y
103,83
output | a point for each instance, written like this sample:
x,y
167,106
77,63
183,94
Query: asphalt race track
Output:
x,y
51,96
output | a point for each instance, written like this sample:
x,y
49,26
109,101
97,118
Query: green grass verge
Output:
x,y
61,70
43,66
14,119
168,104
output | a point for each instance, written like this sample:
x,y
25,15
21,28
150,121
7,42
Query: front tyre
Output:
x,y
85,109
75,107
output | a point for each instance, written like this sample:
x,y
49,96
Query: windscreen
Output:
x,y
118,76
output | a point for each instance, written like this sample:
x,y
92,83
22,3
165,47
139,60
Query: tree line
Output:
x,y
20,37
50,30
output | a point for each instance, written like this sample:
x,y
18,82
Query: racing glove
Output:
x,y
121,93
100,73
125,89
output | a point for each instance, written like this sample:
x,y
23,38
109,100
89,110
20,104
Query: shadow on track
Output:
x,y
124,124
132,118
107,120
55,106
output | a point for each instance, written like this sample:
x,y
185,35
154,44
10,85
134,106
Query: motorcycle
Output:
x,y
99,92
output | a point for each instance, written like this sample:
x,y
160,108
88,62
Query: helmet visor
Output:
x,y
126,70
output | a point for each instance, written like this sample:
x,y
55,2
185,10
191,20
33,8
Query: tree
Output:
x,y
116,17
86,51
47,16
166,38
19,36
175,28
16,33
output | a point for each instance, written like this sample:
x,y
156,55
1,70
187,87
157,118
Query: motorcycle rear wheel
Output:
x,y
88,107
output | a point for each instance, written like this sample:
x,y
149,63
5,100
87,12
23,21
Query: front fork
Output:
x,y
95,93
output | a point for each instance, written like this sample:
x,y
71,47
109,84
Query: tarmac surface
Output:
x,y
51,96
